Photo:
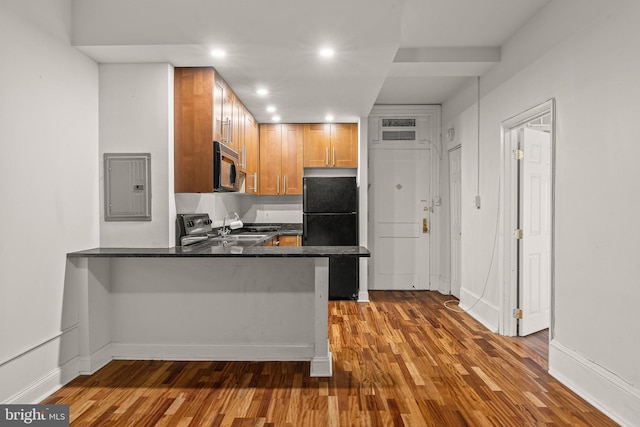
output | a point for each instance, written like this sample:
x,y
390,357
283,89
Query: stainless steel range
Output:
x,y
192,228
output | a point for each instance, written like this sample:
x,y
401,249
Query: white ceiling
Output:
x,y
387,51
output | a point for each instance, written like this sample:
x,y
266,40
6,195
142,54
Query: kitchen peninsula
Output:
x,y
210,301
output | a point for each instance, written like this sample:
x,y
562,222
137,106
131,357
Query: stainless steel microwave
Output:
x,y
225,162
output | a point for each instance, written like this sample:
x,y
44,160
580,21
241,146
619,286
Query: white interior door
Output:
x,y
455,218
535,220
400,193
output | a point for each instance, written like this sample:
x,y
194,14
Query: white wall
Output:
x,y
48,188
271,209
591,68
136,116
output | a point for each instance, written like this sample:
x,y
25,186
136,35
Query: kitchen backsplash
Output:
x,y
271,209
251,209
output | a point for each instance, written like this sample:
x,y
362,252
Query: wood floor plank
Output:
x,y
401,359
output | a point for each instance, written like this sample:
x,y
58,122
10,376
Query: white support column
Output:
x,y
94,342
321,362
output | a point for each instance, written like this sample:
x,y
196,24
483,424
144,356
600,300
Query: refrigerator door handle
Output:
x,y
304,195
304,232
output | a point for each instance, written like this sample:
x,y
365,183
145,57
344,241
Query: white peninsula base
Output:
x,y
222,309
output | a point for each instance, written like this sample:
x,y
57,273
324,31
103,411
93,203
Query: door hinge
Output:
x,y
519,154
519,233
517,313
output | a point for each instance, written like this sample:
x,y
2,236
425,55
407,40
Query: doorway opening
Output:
x,y
527,244
404,156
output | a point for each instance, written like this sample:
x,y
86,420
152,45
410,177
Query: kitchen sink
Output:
x,y
249,236
240,239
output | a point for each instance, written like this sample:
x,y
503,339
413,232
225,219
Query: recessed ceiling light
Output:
x,y
262,91
271,108
275,118
329,118
327,52
218,53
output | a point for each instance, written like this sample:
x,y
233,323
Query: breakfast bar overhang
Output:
x,y
206,302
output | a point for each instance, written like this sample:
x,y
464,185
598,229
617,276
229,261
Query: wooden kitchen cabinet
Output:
x,y
252,154
281,159
237,142
206,110
193,133
284,241
290,240
331,145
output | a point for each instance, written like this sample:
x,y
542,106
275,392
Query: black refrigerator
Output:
x,y
330,218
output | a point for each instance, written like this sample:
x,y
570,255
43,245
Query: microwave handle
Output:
x,y
234,176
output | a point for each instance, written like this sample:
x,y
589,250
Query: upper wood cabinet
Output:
x,y
219,89
205,110
193,130
252,154
281,163
331,145
237,129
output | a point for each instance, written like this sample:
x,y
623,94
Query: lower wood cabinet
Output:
x,y
286,240
290,240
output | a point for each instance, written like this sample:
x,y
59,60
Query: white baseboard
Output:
x,y
484,312
616,398
321,366
90,365
263,352
363,295
47,385
41,370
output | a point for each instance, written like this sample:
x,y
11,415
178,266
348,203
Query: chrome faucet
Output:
x,y
225,231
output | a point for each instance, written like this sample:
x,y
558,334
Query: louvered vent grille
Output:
x,y
398,135
399,129
398,123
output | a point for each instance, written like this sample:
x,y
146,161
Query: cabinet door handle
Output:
x,y
326,156
225,135
278,184
425,229
255,182
244,158
334,158
284,178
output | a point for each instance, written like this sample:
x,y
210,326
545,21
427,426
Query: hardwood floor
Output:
x,y
400,360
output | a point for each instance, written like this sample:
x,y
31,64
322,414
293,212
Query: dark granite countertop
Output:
x,y
211,249
233,248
